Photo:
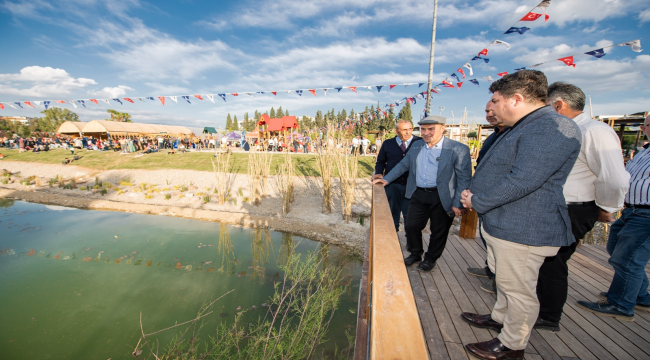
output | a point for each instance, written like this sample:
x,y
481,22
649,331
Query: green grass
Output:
x,y
304,164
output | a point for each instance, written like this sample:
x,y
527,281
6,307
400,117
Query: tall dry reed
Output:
x,y
284,181
325,163
223,177
347,169
255,163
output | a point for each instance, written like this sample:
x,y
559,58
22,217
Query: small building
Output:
x,y
103,129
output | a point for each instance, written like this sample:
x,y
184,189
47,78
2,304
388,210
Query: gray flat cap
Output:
x,y
433,120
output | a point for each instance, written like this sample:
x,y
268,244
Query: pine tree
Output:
x,y
228,122
405,113
272,114
246,125
235,123
279,114
286,113
320,122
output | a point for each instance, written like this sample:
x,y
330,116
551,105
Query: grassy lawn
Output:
x,y
109,160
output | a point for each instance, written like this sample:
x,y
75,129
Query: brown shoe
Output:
x,y
481,321
494,350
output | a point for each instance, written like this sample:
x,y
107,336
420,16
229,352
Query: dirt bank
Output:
x,y
189,194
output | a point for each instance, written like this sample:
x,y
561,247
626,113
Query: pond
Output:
x,y
74,282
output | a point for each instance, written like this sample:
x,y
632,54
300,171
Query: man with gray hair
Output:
x,y
392,151
595,189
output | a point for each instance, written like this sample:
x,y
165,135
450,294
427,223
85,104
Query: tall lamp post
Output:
x,y
433,47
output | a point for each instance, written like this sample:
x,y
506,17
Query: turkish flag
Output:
x,y
568,61
461,71
312,91
531,16
162,99
503,73
392,86
546,17
483,52
448,84
198,97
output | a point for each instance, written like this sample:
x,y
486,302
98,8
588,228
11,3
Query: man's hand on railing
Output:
x,y
376,176
380,181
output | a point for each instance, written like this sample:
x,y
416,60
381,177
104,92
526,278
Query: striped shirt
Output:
x,y
639,169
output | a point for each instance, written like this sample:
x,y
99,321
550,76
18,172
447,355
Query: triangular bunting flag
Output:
x,y
38,103
82,103
367,87
474,81
234,94
2,106
544,4
469,67
223,96
488,78
480,58
11,105
520,30
30,104
94,100
211,97
392,86
274,93
483,52
459,85
379,88
634,45
198,97
531,16
186,98
118,100
598,53
420,84
325,91
162,100
499,42
503,73
339,89
175,98
447,84
460,70
151,98
249,94
546,17
129,100
299,92
568,61
353,88
522,68
139,98
455,77
312,91
46,104
73,104
104,100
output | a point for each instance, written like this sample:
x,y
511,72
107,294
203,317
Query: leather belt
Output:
x,y
582,203
636,206
429,189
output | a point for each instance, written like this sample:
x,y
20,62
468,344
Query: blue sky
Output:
x,y
80,49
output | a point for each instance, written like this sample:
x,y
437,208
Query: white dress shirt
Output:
x,y
599,172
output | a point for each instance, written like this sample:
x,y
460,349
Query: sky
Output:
x,y
82,49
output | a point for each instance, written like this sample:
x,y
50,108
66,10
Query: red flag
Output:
x,y
392,86
459,85
483,52
531,16
568,61
59,101
448,84
546,17
503,73
2,106
129,100
198,97
384,113
162,99
30,104
312,91
234,94
353,88
274,92
432,90
461,71
94,100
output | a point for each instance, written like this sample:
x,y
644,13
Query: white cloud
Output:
x,y
37,81
167,89
111,92
644,15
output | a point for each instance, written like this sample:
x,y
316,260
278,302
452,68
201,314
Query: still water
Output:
x,y
74,282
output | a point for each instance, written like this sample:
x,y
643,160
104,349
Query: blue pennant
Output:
x,y
379,87
475,82
339,89
82,103
480,58
520,30
46,104
118,100
523,68
223,96
18,103
299,92
420,84
455,77
598,53
187,98
151,98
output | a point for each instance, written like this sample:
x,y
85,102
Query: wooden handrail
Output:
x,y
394,330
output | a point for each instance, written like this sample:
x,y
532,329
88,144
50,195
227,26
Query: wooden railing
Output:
x,y
388,325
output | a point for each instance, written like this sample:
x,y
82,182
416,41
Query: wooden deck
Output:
x,y
442,294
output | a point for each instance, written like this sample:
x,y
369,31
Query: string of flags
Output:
x,y
162,99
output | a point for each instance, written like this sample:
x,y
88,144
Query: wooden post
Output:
x,y
468,225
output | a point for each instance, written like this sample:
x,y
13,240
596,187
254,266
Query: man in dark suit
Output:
x,y
391,153
439,170
517,192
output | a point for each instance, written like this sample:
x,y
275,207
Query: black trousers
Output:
x,y
397,201
553,280
425,206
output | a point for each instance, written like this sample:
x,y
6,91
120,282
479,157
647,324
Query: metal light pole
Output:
x,y
433,47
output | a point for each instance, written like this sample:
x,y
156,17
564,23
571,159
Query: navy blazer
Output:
x,y
518,184
390,154
454,172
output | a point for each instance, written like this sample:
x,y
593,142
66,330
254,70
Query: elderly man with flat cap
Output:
x,y
439,170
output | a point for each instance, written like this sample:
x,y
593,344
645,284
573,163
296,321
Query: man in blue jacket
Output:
x,y
391,153
517,192
439,170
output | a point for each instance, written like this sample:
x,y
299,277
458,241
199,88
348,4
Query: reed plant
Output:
x,y
223,177
284,179
347,169
255,176
325,163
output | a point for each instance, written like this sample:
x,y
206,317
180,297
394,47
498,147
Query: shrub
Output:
x,y
168,196
126,182
206,199
103,192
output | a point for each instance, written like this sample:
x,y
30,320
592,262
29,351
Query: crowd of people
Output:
x,y
542,180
